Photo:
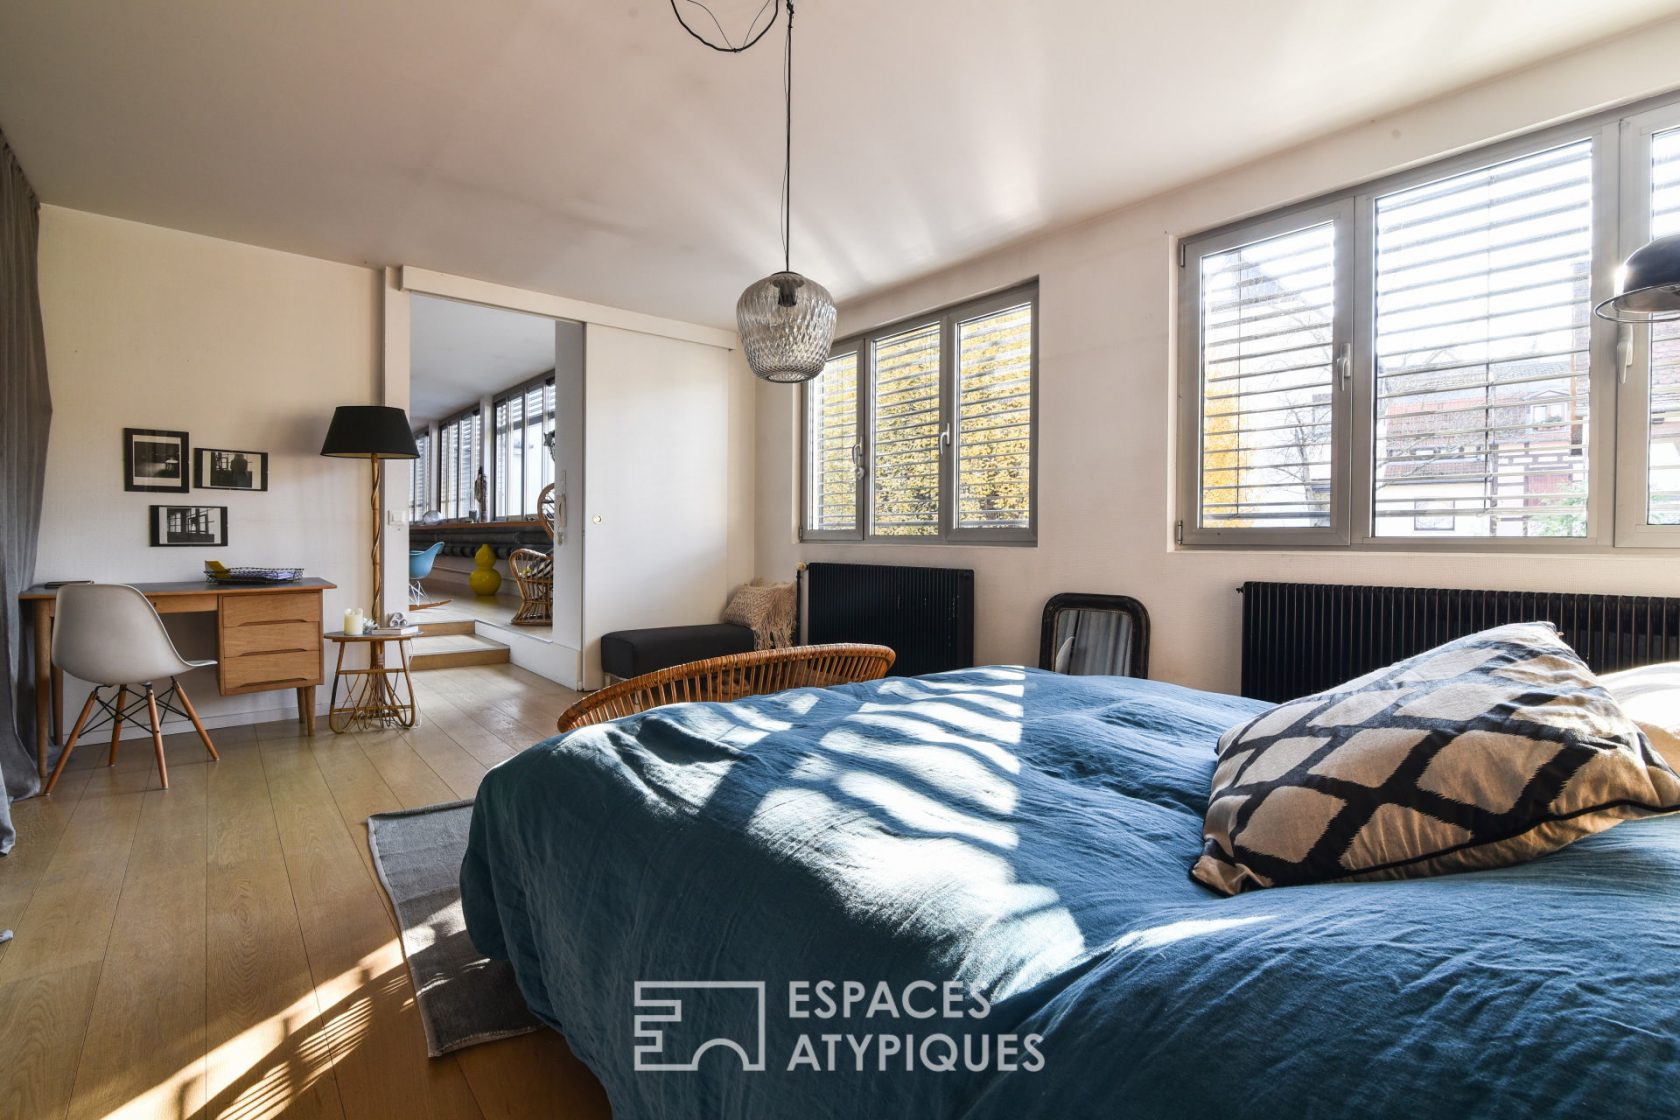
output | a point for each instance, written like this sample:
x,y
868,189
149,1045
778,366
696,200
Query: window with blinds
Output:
x,y
419,477
457,464
835,463
1482,311
926,430
1415,361
1662,433
994,419
521,453
908,434
1268,373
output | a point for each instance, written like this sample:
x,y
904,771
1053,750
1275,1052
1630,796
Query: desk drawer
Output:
x,y
253,608
254,672
272,637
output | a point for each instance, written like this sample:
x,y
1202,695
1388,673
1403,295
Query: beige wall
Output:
x,y
238,346
1106,297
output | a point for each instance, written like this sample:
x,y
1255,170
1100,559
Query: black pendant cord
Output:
x,y
728,47
787,149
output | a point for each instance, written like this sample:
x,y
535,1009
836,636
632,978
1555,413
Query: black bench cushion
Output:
x,y
630,653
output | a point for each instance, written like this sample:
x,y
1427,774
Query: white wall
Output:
x,y
660,545
1107,293
238,346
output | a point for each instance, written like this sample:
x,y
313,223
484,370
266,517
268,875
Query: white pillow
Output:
x,y
1650,695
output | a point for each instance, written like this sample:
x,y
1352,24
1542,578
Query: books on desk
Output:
x,y
391,631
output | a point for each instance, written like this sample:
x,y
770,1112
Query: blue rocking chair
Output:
x,y
419,567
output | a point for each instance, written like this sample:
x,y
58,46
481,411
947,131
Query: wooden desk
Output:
x,y
268,636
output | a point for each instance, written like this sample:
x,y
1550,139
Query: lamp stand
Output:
x,y
378,524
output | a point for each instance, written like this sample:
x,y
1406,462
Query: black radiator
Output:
x,y
1300,638
925,614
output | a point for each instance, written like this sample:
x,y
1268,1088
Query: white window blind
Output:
x,y
457,464
926,429
524,463
1267,361
834,464
905,450
1482,304
419,475
1663,427
994,419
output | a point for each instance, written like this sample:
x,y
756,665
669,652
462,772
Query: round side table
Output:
x,y
381,695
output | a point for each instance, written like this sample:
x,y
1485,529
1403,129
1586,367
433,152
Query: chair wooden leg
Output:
x,y
157,736
116,724
70,743
192,714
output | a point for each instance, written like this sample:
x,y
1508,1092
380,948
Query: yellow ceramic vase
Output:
x,y
485,579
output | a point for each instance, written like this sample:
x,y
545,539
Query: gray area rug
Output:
x,y
464,997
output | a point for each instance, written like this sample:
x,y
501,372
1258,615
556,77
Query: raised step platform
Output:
x,y
449,645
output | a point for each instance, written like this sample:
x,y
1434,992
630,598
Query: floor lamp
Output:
x,y
373,432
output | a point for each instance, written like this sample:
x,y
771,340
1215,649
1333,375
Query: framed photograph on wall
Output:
x,y
155,460
189,526
230,470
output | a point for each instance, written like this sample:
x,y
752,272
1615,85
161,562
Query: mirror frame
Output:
x,y
1120,604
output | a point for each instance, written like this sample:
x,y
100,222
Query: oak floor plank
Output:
x,y
533,1077
371,1024
222,949
69,915
43,820
404,772
146,1030
264,1024
458,768
43,1020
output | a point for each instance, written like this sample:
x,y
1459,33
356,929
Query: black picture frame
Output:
x,y
156,460
217,468
190,526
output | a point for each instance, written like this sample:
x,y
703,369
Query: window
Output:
x,y
1648,358
1414,363
523,455
457,464
924,431
419,472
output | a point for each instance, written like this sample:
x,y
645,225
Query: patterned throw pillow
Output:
x,y
1486,751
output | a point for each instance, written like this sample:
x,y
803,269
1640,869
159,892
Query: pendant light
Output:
x,y
786,321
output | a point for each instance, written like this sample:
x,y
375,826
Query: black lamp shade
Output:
x,y
1647,284
369,431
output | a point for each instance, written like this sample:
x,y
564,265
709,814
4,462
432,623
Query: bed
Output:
x,y
1007,849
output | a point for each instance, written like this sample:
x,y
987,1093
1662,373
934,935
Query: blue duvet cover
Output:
x,y
966,895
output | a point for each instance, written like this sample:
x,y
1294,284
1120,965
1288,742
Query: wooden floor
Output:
x,y
222,949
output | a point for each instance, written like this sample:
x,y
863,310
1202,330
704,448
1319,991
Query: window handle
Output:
x,y
945,436
1344,364
1624,351
857,460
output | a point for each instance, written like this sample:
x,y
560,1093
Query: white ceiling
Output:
x,y
460,352
592,149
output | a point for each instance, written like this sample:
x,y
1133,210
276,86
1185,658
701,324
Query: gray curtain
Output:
x,y
25,414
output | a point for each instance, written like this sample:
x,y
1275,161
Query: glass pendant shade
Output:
x,y
787,326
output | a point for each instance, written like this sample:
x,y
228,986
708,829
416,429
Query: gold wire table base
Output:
x,y
382,695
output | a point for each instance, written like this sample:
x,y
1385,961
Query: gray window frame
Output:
x,y
471,412
1632,350
1610,486
949,319
492,451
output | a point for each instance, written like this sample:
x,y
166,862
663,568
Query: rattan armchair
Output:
x,y
533,574
533,571
732,677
